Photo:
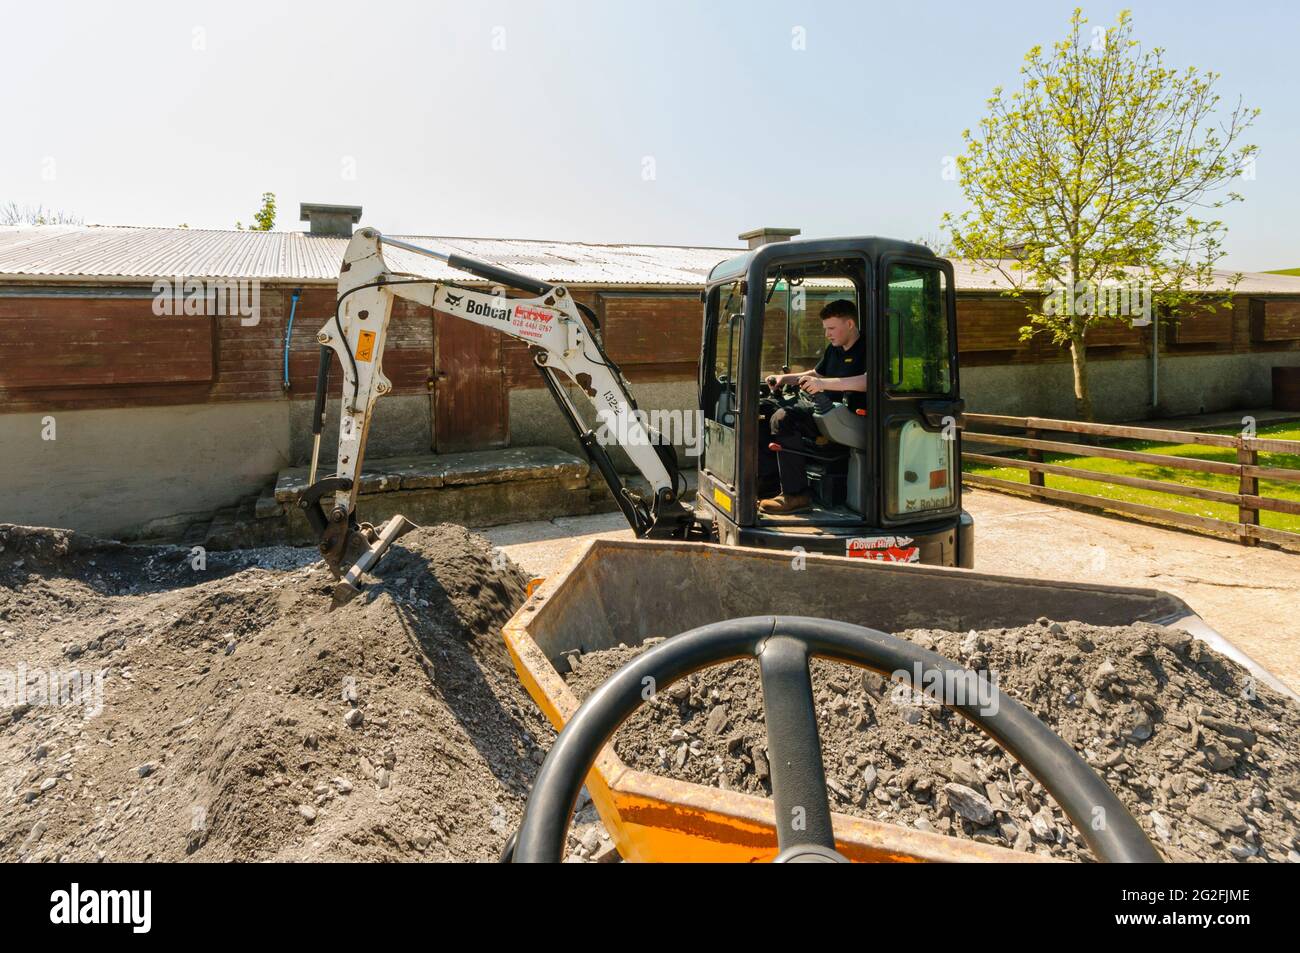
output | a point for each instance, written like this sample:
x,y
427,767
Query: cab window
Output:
x,y
793,335
916,327
725,322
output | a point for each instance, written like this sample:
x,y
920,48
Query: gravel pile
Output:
x,y
1205,758
225,713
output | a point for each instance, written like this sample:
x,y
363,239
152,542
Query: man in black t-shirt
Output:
x,y
841,375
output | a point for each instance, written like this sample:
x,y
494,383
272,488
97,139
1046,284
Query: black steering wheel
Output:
x,y
783,645
792,396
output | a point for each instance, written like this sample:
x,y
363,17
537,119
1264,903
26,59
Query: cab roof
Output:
x,y
872,246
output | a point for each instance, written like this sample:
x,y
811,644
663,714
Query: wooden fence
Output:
x,y
1246,470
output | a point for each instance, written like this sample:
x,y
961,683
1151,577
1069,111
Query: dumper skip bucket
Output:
x,y
615,591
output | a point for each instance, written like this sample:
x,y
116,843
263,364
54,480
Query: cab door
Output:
x,y
920,410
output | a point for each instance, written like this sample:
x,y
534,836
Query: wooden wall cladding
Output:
x,y
1201,326
51,343
61,351
991,324
1274,319
663,329
1114,332
106,348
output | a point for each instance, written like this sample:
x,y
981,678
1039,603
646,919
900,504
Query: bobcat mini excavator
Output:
x,y
885,479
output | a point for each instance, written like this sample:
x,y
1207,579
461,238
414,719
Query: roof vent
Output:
x,y
333,220
766,236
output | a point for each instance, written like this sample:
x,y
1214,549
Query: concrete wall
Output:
x,y
109,472
535,420
402,424
1121,389
114,471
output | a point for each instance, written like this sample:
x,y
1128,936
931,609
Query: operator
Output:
x,y
841,374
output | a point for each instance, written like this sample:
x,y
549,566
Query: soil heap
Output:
x,y
236,717
1205,757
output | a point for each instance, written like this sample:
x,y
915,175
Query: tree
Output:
x,y
263,218
1100,174
14,214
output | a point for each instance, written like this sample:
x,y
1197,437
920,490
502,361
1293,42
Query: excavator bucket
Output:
x,y
379,541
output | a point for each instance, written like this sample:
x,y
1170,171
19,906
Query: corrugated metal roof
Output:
x,y
120,252
980,276
128,253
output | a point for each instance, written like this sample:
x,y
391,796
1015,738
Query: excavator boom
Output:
x,y
563,345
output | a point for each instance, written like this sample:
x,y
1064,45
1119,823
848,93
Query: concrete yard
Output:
x,y
1251,595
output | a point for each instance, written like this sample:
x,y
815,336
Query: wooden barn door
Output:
x,y
471,410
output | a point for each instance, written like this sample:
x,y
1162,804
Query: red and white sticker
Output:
x,y
530,322
885,549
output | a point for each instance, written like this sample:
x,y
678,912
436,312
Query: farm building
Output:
x,y
147,422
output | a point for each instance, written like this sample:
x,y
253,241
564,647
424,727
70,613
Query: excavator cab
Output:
x,y
885,478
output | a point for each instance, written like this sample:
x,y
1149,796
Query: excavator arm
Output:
x,y
562,344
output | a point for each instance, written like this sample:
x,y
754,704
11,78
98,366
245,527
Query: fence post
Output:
x,y
1034,455
1247,456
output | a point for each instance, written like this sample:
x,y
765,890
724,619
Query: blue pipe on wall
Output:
x,y
288,333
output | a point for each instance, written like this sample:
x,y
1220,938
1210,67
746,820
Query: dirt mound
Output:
x,y
212,706
1205,758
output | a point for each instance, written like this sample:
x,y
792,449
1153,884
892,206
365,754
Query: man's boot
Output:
x,y
786,503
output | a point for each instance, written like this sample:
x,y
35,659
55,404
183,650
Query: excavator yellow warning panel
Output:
x,y
366,346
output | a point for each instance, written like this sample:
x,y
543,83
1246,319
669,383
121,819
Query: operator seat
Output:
x,y
837,459
846,429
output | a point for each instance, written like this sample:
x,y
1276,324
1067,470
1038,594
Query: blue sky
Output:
x,y
676,123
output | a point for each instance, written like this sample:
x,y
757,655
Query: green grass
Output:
x,y
1284,271
1212,481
